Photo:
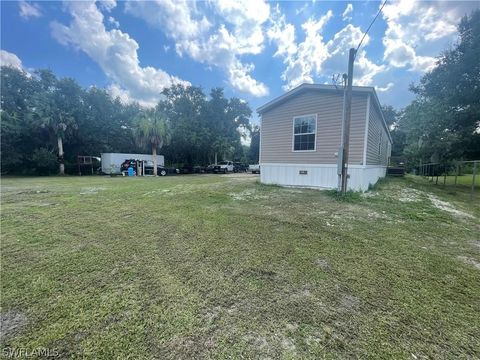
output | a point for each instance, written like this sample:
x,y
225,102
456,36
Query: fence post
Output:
x,y
457,169
444,174
436,180
473,177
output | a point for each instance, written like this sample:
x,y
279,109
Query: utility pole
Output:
x,y
346,121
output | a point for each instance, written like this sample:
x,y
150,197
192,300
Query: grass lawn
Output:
x,y
215,266
463,180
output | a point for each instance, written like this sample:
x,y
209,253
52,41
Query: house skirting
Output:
x,y
320,175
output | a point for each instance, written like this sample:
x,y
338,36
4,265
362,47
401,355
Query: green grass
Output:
x,y
224,267
463,181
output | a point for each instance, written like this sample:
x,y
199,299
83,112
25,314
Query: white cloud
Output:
x,y
107,5
282,34
310,54
247,17
417,31
385,88
10,59
29,10
338,47
179,19
301,10
221,46
316,58
115,52
346,16
114,22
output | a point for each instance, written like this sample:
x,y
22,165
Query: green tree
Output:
x,y
152,130
393,118
19,137
442,123
228,123
254,151
204,127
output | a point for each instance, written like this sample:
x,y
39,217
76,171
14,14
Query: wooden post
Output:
x,y
456,174
473,177
348,116
444,174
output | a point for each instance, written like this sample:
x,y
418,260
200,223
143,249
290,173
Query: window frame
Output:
x,y
293,133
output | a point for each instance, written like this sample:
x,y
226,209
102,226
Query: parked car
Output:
x,y
223,167
161,170
255,169
186,170
239,167
199,169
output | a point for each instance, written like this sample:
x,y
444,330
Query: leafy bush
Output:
x,y
44,161
349,196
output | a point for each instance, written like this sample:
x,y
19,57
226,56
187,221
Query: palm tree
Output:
x,y
56,108
152,130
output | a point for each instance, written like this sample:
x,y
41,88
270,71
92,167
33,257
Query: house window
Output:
x,y
304,132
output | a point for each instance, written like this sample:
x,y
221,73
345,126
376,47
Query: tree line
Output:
x,y
47,121
442,123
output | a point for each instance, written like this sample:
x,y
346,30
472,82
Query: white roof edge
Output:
x,y
357,89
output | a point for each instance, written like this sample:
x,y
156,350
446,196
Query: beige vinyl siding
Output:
x,y
277,128
378,143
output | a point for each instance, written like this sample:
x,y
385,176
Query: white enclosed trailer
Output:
x,y
111,161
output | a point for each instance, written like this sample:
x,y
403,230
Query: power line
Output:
x,y
369,26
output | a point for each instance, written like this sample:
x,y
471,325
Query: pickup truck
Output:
x,y
223,167
255,169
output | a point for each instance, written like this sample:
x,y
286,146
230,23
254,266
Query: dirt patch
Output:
x,y
287,344
292,327
470,261
410,195
255,340
211,315
322,264
348,303
313,340
446,206
251,194
91,190
301,293
369,194
33,192
11,323
376,215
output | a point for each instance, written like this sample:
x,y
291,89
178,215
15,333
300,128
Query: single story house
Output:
x,y
301,133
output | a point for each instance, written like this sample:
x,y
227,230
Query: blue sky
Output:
x,y
256,50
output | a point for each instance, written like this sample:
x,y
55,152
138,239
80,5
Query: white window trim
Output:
x,y
293,133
